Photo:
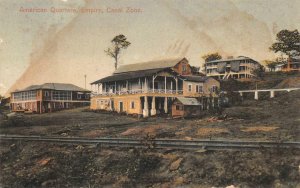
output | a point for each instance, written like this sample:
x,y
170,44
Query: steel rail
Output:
x,y
159,143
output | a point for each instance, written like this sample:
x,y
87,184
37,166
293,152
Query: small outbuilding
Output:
x,y
186,107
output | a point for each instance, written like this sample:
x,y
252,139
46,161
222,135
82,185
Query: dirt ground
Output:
x,y
271,119
28,164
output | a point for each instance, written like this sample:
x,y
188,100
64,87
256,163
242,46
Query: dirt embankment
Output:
x,y
51,165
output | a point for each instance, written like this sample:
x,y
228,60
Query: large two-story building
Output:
x,y
49,97
149,88
236,68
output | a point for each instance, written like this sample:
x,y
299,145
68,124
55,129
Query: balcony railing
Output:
x,y
140,91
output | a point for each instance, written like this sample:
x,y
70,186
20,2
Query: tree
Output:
x,y
271,64
119,42
288,42
212,57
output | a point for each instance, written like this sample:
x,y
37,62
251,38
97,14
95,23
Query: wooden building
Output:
x,y
236,68
149,88
49,97
186,107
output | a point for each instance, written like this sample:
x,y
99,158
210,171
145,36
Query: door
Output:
x,y
121,106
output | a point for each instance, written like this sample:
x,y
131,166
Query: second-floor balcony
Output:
x,y
140,91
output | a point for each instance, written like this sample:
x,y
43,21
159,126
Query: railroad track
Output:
x,y
159,143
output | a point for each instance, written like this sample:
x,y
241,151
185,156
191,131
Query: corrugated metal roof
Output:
x,y
189,101
159,64
54,86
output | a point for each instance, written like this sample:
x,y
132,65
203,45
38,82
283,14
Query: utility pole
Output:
x,y
85,81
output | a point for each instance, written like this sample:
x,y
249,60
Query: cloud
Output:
x,y
2,86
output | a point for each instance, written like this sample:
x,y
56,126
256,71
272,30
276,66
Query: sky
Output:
x,y
62,45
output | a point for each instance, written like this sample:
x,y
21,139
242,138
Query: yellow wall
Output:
x,y
209,83
116,100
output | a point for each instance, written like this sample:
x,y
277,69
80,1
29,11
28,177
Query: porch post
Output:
x,y
166,105
165,84
115,87
127,85
145,110
153,83
145,85
176,84
140,83
171,85
153,110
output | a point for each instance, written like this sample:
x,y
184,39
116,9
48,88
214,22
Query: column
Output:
x,y
140,86
145,85
153,83
145,110
208,104
165,84
176,84
153,110
256,95
272,94
166,105
213,103
140,107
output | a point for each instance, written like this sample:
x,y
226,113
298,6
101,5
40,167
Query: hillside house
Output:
x,y
236,68
49,97
149,88
293,64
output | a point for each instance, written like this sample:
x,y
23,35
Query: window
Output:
x,y
190,87
86,96
183,68
78,96
46,94
199,89
61,95
25,96
179,107
214,89
132,105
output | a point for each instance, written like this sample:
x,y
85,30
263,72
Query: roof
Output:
x,y
128,76
194,78
188,101
54,86
159,64
231,59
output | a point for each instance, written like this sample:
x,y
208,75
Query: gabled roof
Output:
x,y
159,64
188,101
54,86
138,70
